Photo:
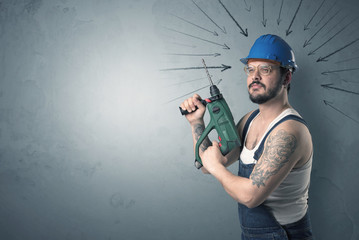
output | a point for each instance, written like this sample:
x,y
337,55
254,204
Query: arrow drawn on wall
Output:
x,y
223,30
195,55
224,67
222,45
245,33
250,7
340,70
213,32
193,92
335,26
306,25
347,60
326,14
288,31
313,51
338,110
336,88
280,12
264,21
307,42
340,49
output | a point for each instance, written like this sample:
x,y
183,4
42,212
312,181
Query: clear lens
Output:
x,y
263,69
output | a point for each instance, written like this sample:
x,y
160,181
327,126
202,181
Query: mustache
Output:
x,y
257,82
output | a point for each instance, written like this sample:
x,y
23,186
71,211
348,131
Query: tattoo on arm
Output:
x,y
198,130
277,152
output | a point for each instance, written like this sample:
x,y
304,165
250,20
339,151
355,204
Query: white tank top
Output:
x,y
289,201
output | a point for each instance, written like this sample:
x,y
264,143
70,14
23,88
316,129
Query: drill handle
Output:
x,y
185,112
207,130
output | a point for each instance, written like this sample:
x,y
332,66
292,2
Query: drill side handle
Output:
x,y
198,161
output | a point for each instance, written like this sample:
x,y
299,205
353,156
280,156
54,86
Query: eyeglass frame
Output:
x,y
271,67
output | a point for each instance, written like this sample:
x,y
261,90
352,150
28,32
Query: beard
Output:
x,y
265,97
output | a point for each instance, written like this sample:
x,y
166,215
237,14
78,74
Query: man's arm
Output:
x,y
288,144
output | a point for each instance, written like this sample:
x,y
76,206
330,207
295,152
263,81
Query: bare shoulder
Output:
x,y
294,138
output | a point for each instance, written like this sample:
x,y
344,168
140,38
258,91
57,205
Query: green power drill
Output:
x,y
221,120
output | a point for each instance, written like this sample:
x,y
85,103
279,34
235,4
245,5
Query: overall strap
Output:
x,y
259,151
249,120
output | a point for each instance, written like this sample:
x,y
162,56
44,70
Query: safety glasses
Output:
x,y
263,69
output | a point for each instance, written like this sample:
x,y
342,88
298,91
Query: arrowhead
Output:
x,y
224,30
311,53
226,47
306,43
324,73
322,60
306,27
278,21
245,33
249,9
326,102
216,54
225,67
326,85
215,33
288,32
264,22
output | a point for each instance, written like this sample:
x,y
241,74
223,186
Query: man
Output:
x,y
276,155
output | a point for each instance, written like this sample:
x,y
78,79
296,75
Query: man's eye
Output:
x,y
250,70
265,69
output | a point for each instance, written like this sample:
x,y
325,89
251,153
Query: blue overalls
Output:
x,y
259,223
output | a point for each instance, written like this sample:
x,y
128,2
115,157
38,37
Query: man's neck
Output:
x,y
271,109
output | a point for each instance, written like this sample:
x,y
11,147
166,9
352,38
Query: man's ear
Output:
x,y
287,78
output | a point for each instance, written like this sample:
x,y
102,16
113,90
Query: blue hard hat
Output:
x,y
272,47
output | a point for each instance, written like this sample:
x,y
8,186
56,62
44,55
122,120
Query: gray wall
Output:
x,y
92,145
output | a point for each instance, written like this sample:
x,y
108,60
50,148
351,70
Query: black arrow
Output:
x,y
336,88
330,105
224,67
245,33
189,81
347,60
313,51
307,42
340,49
195,55
333,27
326,14
340,70
223,30
213,32
222,45
306,25
193,92
264,21
280,12
290,25
250,7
